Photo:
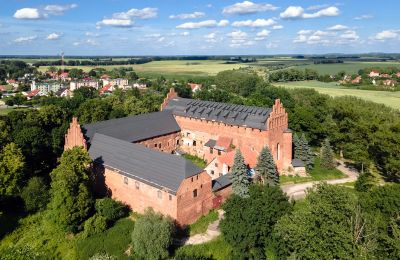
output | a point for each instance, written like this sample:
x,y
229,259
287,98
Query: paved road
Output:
x,y
298,191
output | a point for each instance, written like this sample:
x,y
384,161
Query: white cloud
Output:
x,y
211,38
248,7
116,22
86,42
92,34
25,39
223,23
145,13
386,35
161,39
277,27
262,35
53,36
297,12
338,27
38,13
255,23
363,17
271,45
349,35
185,34
58,9
330,11
239,39
292,12
28,13
317,7
203,24
304,32
188,15
300,38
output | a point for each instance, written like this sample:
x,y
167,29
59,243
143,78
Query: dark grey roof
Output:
x,y
210,143
60,91
158,169
254,117
221,182
298,163
135,128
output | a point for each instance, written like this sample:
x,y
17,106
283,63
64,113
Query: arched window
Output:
x,y
278,151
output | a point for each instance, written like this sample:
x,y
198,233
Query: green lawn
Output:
x,y
115,241
217,249
391,99
348,67
196,160
200,226
318,173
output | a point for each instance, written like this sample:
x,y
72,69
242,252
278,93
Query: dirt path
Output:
x,y
298,191
211,233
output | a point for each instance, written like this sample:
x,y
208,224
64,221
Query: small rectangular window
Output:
x,y
216,164
197,177
159,194
177,142
219,152
126,180
137,184
211,150
159,145
194,193
212,172
170,197
155,145
192,179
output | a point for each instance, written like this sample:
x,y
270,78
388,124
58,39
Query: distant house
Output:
x,y
85,83
398,74
12,82
3,88
357,80
46,87
139,85
299,167
64,92
389,82
33,93
107,89
374,74
385,76
195,87
105,76
116,82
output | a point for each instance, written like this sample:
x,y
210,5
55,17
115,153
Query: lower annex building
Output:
x,y
137,160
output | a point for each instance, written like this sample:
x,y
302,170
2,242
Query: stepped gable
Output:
x,y
230,114
135,128
161,170
74,136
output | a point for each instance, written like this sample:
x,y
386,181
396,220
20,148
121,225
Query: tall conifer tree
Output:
x,y
327,156
266,167
240,180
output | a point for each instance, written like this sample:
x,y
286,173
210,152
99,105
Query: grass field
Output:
x,y
391,99
318,173
348,67
174,67
201,225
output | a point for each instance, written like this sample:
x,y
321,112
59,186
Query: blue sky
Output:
x,y
197,27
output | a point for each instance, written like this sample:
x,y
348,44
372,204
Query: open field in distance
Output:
x,y
348,67
391,99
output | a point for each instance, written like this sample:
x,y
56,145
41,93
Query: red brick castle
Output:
x,y
137,157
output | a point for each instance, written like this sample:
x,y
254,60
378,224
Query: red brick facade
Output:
x,y
74,136
166,143
193,199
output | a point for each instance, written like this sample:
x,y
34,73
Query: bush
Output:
x,y
182,255
35,194
110,209
94,225
152,235
102,256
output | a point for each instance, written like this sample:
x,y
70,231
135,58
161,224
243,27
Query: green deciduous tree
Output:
x,y
71,200
327,156
35,194
11,169
240,180
248,222
365,182
266,167
322,228
110,209
152,235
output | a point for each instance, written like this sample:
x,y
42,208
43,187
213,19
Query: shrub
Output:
x,y
102,256
35,194
152,235
110,209
181,255
94,225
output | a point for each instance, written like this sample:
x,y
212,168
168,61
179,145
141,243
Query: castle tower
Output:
x,y
74,136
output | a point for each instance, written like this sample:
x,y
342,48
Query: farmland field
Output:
x,y
391,99
348,67
178,68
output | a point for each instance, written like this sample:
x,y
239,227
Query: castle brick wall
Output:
x,y
165,143
190,207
